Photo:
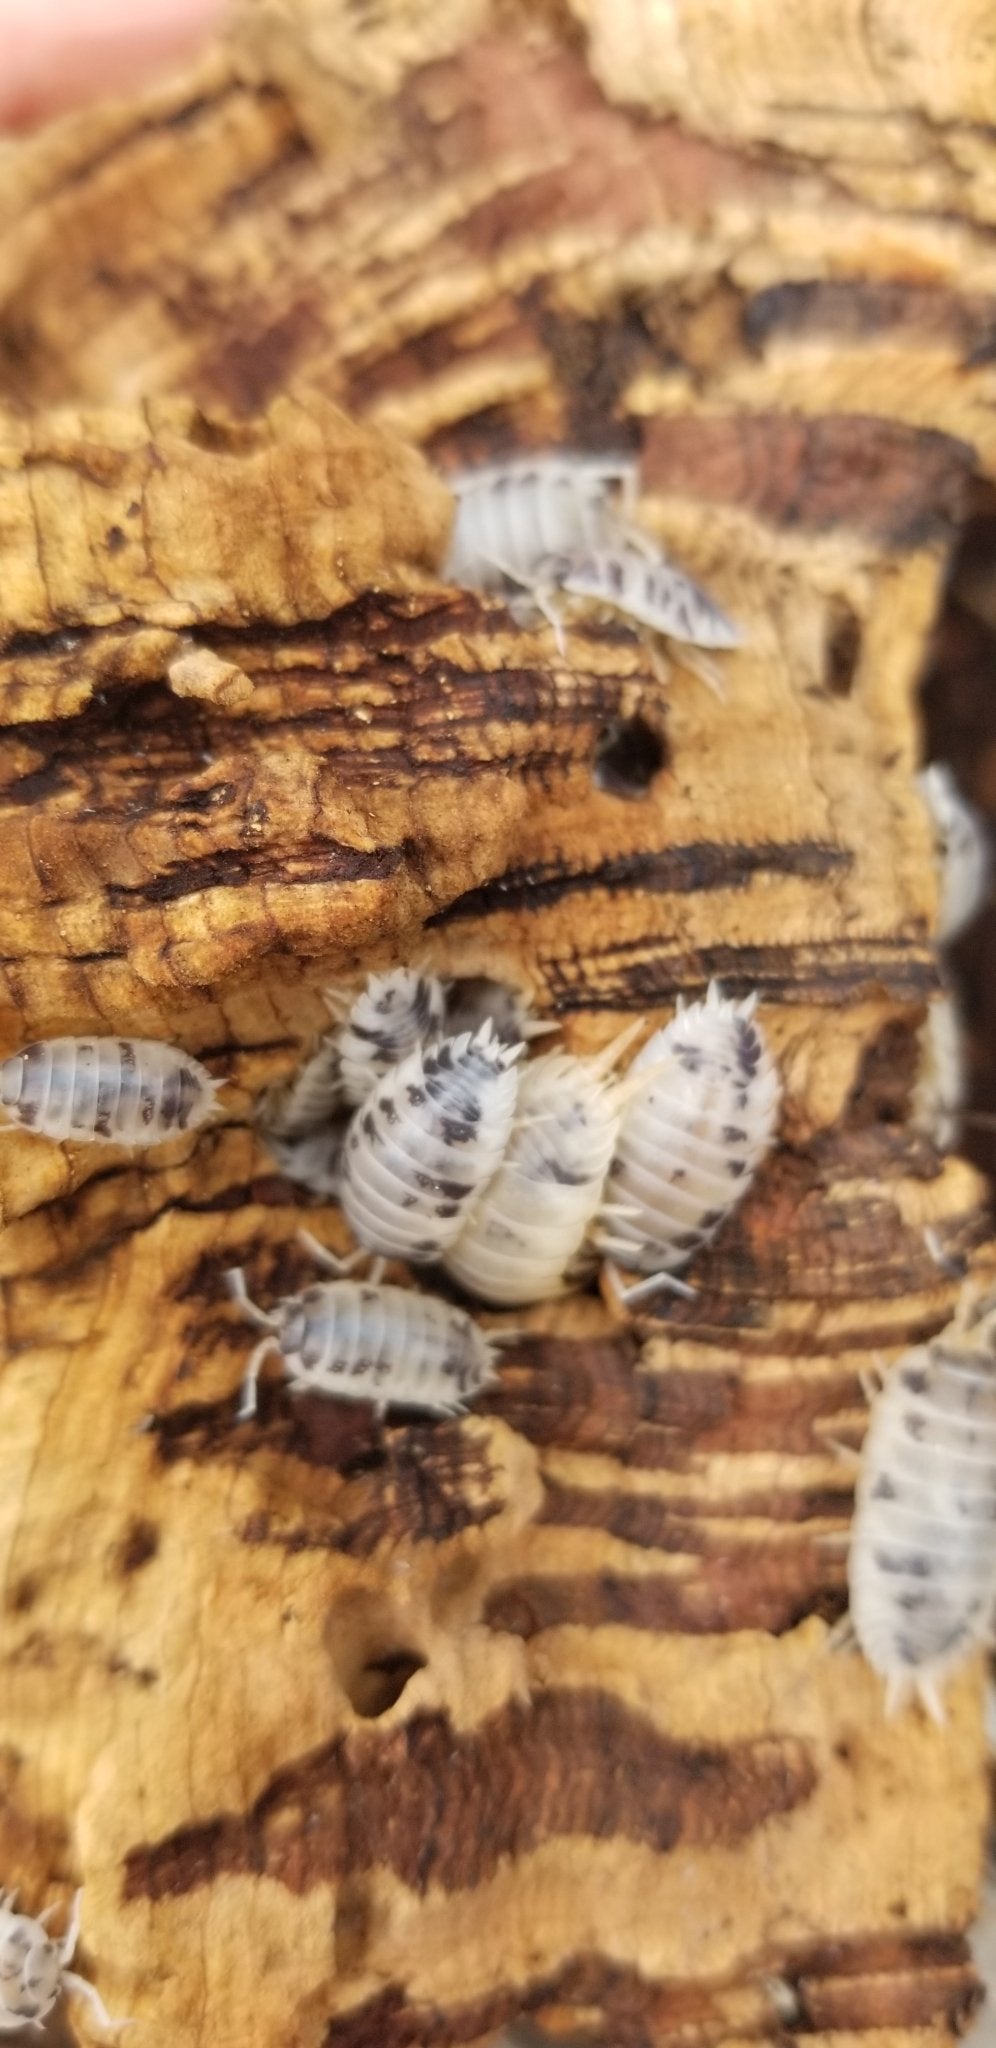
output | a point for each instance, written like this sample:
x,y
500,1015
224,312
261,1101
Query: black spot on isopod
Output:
x,y
883,1488
447,1209
736,1167
915,1378
454,1133
387,1109
732,1135
367,1124
416,1096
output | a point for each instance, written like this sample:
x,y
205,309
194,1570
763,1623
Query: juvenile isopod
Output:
x,y
309,1100
33,1968
637,581
392,1014
965,861
513,516
429,1136
922,1560
363,1340
528,1224
122,1091
689,1147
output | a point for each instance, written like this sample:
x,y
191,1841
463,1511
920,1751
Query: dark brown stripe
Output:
x,y
859,309
677,870
902,487
919,1981
441,1806
676,1525
606,979
751,1587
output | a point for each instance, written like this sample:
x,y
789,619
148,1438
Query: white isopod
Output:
x,y
430,1135
637,580
33,1968
393,1014
940,1089
922,1561
964,849
528,1224
690,1146
512,516
123,1091
361,1340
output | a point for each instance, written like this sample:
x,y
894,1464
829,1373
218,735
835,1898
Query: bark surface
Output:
x,y
367,1735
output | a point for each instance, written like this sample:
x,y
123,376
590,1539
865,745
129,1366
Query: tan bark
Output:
x,y
365,1735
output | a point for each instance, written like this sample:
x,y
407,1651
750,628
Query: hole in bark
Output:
x,y
474,997
630,754
371,1657
843,648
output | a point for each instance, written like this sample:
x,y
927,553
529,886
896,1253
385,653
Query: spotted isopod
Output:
x,y
393,1014
963,844
922,1561
429,1136
690,1146
122,1091
362,1340
513,516
33,1968
309,1100
529,1223
639,582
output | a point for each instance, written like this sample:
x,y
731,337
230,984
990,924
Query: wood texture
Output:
x,y
367,1736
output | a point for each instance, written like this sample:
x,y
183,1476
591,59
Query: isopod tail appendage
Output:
x,y
235,1281
81,1989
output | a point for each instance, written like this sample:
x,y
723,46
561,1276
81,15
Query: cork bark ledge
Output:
x,y
366,1736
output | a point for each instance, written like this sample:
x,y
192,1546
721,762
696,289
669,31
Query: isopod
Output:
x,y
392,1015
964,849
308,1102
33,1968
922,1560
639,582
690,1146
528,1224
513,516
430,1135
363,1340
941,1086
122,1091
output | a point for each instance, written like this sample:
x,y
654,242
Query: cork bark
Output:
x,y
365,1735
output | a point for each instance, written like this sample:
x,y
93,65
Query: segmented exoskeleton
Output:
x,y
121,1091
528,1224
690,1146
33,1968
514,515
922,1561
362,1340
393,1013
430,1134
638,582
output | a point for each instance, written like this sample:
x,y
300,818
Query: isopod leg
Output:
x,y
82,1989
235,1281
328,1261
247,1402
71,1936
643,1289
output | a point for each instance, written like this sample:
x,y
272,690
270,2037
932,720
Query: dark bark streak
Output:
x,y
678,870
443,1807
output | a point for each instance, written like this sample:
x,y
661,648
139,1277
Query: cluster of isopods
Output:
x,y
446,1148
552,525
